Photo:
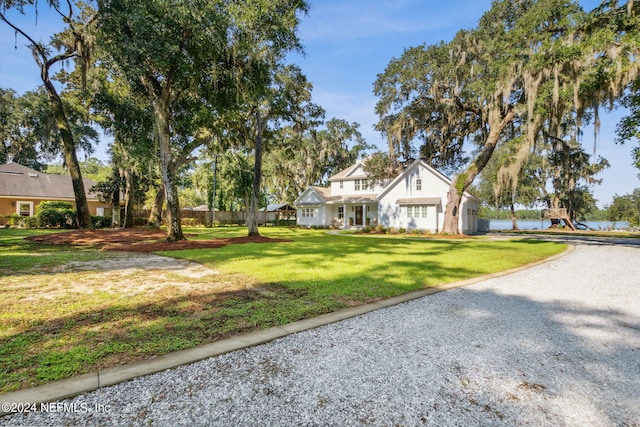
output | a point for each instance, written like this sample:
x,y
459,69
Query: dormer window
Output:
x,y
418,184
357,185
341,185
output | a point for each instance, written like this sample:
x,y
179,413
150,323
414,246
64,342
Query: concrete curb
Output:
x,y
74,386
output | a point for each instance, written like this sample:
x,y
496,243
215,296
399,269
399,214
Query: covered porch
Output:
x,y
354,214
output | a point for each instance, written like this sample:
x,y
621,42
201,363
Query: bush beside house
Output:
x,y
55,214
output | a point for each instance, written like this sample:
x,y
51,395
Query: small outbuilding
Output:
x,y
279,212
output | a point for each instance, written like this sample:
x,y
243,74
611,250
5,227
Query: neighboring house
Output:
x,y
415,199
22,189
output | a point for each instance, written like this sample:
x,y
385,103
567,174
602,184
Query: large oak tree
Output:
x,y
190,57
73,44
539,62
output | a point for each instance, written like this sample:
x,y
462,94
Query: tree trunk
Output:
x,y
211,196
454,199
462,181
514,223
128,199
155,216
69,152
252,220
163,136
174,226
115,199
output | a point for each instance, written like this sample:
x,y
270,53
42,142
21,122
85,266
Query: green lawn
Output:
x,y
57,321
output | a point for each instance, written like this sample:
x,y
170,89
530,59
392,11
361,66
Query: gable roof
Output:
x,y
431,169
320,196
350,172
323,192
20,181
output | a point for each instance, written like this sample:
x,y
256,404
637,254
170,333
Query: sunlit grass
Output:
x,y
21,256
379,267
55,324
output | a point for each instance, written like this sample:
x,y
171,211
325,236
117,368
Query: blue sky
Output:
x,y
349,42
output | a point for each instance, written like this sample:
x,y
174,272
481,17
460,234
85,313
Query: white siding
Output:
x,y
433,186
389,212
468,221
349,188
310,200
417,221
309,197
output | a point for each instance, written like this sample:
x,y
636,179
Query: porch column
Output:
x,y
364,215
344,216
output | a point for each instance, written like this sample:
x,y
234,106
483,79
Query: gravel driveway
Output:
x,y
558,344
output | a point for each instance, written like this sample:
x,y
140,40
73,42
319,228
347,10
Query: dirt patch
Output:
x,y
139,240
126,275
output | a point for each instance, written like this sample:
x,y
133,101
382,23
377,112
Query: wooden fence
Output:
x,y
191,217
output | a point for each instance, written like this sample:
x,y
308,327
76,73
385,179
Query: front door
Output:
x,y
358,215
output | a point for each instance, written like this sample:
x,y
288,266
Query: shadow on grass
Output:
x,y
111,334
506,358
121,331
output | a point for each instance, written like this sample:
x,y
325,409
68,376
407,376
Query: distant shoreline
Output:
x,y
536,224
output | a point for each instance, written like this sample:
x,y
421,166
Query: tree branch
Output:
x,y
35,45
65,17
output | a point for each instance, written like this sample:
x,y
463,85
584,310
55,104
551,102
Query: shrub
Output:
x,y
23,221
402,230
100,221
54,204
366,229
139,221
56,214
381,229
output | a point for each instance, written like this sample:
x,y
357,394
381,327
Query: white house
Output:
x,y
415,199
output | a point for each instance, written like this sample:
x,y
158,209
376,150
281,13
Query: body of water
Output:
x,y
536,224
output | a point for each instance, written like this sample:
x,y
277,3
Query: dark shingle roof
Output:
x,y
20,181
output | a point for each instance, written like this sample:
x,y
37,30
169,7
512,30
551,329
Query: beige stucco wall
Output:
x,y
6,207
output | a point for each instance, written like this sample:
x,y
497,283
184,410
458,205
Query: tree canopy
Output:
x,y
72,44
536,64
626,208
196,62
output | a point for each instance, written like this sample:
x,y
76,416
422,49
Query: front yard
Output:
x,y
67,310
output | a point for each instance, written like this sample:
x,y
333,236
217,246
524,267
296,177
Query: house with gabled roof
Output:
x,y
22,189
415,199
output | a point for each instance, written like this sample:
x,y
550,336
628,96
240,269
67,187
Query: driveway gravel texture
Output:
x,y
556,345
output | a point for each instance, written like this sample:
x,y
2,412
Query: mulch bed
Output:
x,y
140,240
